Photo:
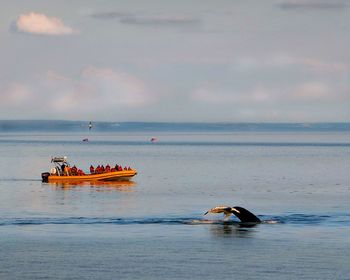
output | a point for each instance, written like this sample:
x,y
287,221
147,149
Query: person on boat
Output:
x,y
120,168
80,172
129,168
102,169
66,171
74,170
108,168
98,169
63,166
113,169
92,169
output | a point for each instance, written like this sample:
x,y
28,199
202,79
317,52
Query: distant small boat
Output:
x,y
90,125
85,140
154,139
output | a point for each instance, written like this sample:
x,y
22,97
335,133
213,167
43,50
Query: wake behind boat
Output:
x,y
63,172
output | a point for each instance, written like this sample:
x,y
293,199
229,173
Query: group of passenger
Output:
x,y
74,171
102,169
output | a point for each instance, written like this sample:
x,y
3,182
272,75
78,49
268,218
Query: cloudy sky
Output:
x,y
183,60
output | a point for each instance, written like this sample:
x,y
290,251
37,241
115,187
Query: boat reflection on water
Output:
x,y
122,186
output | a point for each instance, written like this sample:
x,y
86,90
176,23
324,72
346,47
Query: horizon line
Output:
x,y
181,122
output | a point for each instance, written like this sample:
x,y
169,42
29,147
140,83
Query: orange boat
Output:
x,y
57,174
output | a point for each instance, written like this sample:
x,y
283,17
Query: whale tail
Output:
x,y
244,215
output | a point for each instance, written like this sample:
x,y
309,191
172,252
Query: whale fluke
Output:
x,y
244,215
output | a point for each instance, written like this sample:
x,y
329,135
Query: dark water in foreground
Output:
x,y
154,228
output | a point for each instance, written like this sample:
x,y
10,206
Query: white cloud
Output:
x,y
294,95
16,93
312,91
314,5
98,92
283,60
40,24
308,62
124,88
216,95
212,96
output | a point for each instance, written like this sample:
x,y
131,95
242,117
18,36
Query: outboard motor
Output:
x,y
45,177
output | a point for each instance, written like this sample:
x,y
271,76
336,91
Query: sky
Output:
x,y
175,61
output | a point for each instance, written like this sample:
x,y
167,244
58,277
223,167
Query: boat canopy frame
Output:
x,y
59,159
60,163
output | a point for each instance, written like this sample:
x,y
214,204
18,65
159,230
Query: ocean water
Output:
x,y
153,226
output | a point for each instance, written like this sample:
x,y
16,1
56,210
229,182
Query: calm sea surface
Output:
x,y
153,227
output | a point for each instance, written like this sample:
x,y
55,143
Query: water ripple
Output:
x,y
298,219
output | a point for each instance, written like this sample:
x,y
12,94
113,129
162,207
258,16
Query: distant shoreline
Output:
x,y
79,126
